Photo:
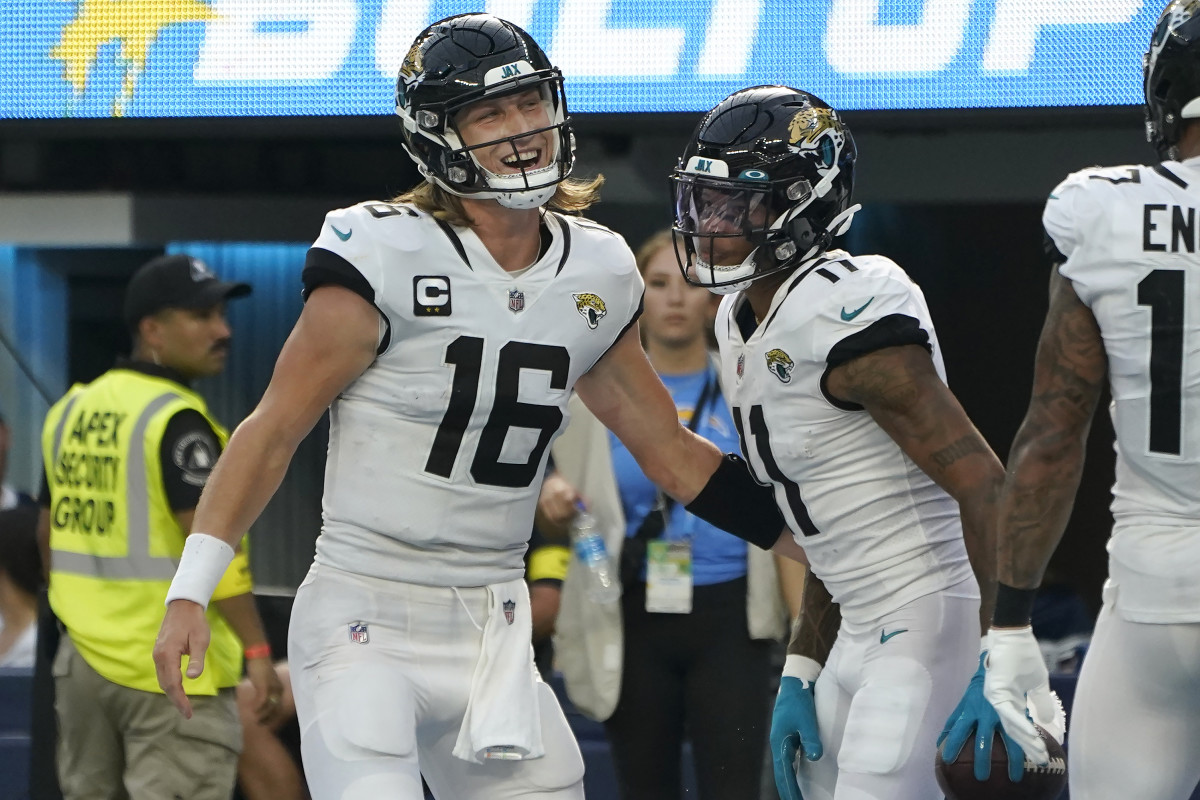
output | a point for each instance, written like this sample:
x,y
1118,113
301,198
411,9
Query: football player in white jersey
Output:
x,y
445,332
1123,309
834,372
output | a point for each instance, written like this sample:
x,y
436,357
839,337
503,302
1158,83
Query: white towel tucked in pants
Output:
x,y
502,719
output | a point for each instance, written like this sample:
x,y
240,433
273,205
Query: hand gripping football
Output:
x,y
957,778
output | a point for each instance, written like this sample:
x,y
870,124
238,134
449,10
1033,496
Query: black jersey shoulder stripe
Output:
x,y
566,253
1171,176
454,240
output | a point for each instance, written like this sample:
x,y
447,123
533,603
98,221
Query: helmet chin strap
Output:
x,y
841,223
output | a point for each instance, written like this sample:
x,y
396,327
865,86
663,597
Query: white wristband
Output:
x,y
201,567
801,667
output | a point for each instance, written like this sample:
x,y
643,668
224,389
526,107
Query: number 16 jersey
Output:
x,y
437,451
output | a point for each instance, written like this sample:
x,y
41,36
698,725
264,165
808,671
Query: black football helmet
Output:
x,y
771,165
1171,69
462,59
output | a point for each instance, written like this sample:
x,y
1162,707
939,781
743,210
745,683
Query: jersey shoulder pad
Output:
x,y
1075,207
869,278
585,223
398,226
877,292
599,244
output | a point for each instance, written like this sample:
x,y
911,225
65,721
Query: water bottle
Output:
x,y
600,573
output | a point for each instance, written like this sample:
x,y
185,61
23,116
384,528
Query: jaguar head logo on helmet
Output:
x,y
1171,73
463,63
763,186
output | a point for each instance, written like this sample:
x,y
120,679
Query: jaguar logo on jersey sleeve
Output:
x,y
780,364
591,306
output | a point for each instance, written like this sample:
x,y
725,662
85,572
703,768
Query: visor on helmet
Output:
x,y
722,223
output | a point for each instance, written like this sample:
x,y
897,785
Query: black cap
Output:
x,y
176,281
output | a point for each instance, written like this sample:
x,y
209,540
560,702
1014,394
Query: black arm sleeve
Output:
x,y
322,267
733,501
890,331
188,453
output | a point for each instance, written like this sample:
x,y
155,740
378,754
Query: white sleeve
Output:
x,y
345,253
1071,220
868,312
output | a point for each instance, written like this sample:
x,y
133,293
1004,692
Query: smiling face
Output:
x,y
494,119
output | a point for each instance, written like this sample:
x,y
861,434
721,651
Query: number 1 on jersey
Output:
x,y
1162,291
762,441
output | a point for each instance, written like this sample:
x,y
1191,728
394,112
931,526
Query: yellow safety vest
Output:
x,y
114,540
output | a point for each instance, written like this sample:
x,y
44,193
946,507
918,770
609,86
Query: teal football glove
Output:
x,y
975,713
794,724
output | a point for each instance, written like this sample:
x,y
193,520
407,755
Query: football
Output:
x,y
957,778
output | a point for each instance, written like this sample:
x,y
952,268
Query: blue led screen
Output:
x,y
216,58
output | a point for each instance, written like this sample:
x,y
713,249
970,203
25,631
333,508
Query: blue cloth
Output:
x,y
717,556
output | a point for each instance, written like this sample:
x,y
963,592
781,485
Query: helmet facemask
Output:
x,y
460,172
717,221
464,60
763,187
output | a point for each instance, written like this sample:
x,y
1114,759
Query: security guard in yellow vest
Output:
x,y
127,456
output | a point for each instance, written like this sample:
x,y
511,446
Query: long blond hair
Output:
x,y
571,196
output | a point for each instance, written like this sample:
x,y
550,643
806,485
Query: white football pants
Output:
x,y
1134,728
375,715
885,694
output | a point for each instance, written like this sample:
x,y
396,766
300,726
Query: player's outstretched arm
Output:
x,y
333,342
1044,469
1046,460
626,395
901,389
794,720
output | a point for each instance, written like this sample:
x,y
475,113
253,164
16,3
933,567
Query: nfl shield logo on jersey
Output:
x,y
510,609
741,365
516,301
359,633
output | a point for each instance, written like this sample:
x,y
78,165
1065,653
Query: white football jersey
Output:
x,y
1129,237
877,530
436,453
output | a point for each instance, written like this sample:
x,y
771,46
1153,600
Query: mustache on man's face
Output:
x,y
222,345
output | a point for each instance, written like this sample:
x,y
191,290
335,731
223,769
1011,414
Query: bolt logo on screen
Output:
x,y
216,58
